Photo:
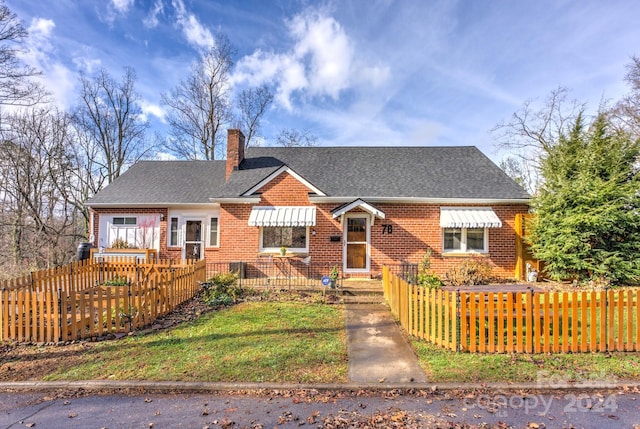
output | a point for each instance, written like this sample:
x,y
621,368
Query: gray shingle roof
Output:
x,y
164,183
369,172
461,172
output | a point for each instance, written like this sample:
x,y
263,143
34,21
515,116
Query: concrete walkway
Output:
x,y
377,350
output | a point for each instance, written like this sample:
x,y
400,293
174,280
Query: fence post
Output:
x,y
458,314
130,313
532,334
173,273
2,304
606,306
60,312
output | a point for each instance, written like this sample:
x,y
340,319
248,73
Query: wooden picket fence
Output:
x,y
521,322
76,301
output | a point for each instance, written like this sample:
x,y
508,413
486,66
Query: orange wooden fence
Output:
x,y
75,301
522,322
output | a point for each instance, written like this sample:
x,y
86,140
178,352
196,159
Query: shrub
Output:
x,y
426,278
117,281
120,243
221,289
470,272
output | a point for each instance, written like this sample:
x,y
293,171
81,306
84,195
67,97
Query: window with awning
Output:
x,y
469,217
284,226
283,216
465,230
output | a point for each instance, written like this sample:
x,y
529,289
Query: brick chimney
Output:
x,y
235,150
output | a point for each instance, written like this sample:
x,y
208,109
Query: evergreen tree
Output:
x,y
588,211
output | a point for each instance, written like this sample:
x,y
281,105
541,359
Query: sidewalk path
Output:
x,y
378,352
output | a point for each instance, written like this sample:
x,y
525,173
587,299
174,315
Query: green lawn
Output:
x,y
448,366
292,342
250,342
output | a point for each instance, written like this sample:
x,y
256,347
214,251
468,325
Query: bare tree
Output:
x,y
626,113
290,137
530,134
16,86
520,171
109,123
252,104
40,223
200,106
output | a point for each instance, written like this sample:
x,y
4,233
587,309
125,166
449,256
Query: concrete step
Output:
x,y
363,299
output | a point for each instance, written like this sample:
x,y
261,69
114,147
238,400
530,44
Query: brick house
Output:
x,y
360,207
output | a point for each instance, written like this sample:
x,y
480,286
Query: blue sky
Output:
x,y
361,72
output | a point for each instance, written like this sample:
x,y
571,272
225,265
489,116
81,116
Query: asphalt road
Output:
x,y
293,409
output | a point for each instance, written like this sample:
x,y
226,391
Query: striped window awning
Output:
x,y
469,217
283,216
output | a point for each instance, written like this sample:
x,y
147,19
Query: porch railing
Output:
x,y
278,273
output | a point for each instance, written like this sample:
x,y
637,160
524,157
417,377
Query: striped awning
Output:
x,y
469,217
283,216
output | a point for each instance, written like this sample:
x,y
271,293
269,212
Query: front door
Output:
x,y
193,240
356,243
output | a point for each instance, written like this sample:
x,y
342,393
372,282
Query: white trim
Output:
x,y
345,231
279,171
409,200
235,200
169,244
361,204
202,241
183,214
463,243
276,250
217,245
129,206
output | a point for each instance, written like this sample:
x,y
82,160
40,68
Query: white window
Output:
x,y
173,232
464,240
294,238
123,229
214,232
125,221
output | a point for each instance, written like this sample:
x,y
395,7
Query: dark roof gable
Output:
x,y
383,172
458,172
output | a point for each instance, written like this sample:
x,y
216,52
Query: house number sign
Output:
x,y
387,229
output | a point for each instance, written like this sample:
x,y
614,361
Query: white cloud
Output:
x,y
195,33
41,28
151,21
39,41
329,49
321,61
41,54
90,65
62,83
153,109
122,6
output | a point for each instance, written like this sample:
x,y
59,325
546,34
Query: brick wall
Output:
x,y
415,227
284,190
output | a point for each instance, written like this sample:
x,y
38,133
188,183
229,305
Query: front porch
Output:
x,y
296,275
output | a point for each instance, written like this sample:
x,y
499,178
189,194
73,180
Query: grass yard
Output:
x,y
250,342
448,366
